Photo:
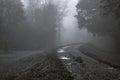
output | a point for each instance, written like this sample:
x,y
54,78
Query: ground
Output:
x,y
32,66
64,63
84,67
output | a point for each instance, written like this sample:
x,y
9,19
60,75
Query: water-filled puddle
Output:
x,y
65,58
61,51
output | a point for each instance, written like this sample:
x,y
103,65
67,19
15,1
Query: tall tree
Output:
x,y
44,18
90,15
11,15
111,7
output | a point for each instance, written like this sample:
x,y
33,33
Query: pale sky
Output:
x,y
70,21
71,7
70,3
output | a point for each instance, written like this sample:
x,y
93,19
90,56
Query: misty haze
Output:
x,y
59,39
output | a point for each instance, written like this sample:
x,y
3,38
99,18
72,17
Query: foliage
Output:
x,y
111,7
11,15
31,27
90,17
44,20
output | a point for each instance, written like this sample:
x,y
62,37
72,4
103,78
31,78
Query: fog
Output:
x,y
38,24
71,33
59,39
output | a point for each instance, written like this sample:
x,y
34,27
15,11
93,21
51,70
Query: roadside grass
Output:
x,y
12,64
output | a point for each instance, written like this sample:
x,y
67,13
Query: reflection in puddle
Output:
x,y
61,51
63,57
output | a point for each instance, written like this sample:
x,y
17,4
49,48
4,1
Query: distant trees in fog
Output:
x,y
30,28
11,19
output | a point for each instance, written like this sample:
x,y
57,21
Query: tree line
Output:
x,y
33,28
100,17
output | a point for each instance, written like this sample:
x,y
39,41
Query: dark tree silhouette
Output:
x,y
28,28
44,21
111,7
11,15
90,15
